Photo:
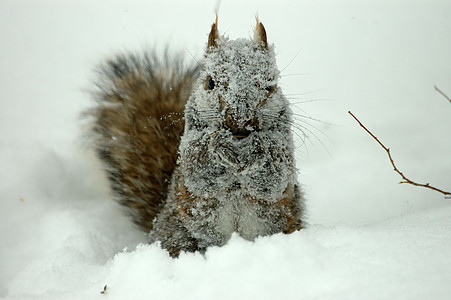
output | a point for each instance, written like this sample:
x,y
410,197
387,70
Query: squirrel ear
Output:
x,y
260,35
214,35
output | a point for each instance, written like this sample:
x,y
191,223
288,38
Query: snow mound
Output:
x,y
75,250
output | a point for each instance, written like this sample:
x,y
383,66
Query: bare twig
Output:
x,y
406,180
105,289
442,93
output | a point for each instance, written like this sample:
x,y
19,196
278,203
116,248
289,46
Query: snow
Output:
x,y
370,238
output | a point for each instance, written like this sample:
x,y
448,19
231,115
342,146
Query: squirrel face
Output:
x,y
238,85
241,77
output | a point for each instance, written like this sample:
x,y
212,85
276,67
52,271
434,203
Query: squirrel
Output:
x,y
198,152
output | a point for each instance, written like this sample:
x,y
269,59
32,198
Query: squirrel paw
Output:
x,y
226,152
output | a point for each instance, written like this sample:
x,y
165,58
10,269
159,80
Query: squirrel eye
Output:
x,y
269,89
211,83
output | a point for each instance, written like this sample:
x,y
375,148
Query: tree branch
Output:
x,y
442,93
406,180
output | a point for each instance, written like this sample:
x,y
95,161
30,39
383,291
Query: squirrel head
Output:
x,y
237,84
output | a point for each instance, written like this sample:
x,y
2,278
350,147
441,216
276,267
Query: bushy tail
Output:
x,y
138,122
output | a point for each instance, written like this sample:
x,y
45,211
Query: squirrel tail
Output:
x,y
137,125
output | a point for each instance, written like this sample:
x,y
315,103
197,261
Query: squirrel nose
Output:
x,y
238,131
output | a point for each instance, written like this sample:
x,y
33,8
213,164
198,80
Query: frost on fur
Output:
x,y
236,170
254,150
232,169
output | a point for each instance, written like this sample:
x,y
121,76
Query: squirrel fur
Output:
x,y
196,153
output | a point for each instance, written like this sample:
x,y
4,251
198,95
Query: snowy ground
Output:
x,y
370,238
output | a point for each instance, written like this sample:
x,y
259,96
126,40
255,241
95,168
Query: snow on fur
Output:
x,y
236,162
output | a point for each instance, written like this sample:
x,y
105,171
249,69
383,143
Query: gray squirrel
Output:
x,y
196,153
